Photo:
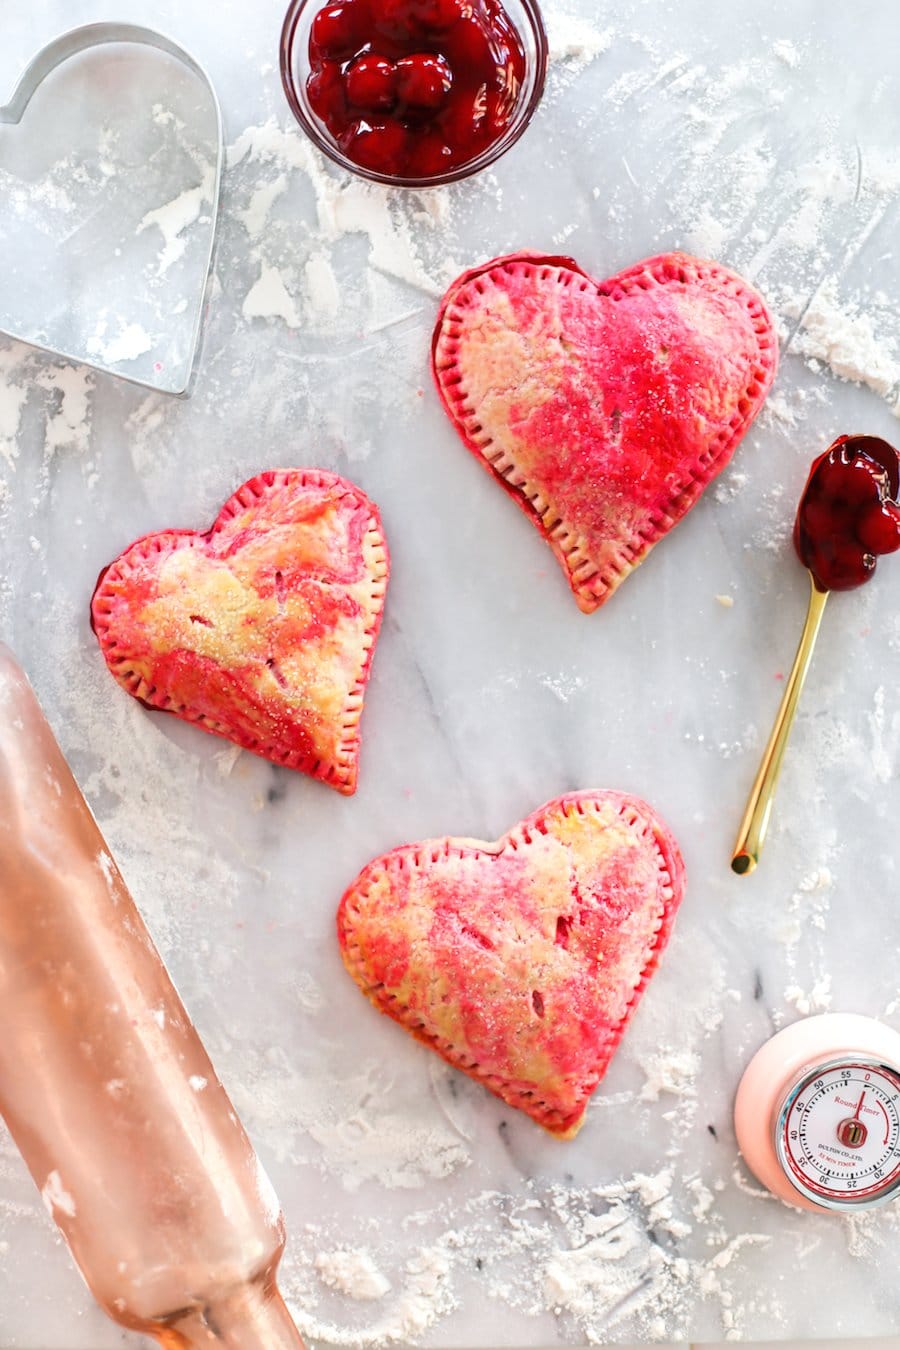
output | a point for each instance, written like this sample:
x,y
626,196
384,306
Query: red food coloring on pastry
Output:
x,y
422,67
521,962
848,513
604,408
262,628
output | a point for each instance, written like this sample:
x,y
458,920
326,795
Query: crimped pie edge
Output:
x,y
633,811
590,584
343,774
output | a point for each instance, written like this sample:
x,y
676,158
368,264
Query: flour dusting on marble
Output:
x,y
843,337
355,1129
352,1272
175,218
343,207
13,396
68,423
268,298
574,42
582,1255
127,344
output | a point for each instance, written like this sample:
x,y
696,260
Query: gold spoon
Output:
x,y
884,466
752,833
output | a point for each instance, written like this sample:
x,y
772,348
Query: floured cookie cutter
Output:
x,y
58,51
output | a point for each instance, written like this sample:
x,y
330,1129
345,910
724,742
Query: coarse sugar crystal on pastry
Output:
x,y
521,962
260,629
604,408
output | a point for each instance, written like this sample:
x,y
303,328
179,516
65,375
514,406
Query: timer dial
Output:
x,y
838,1133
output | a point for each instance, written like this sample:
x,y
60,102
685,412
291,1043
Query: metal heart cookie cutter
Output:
x,y
109,263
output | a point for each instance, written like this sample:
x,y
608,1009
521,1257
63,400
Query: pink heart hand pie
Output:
x,y
603,408
521,962
262,628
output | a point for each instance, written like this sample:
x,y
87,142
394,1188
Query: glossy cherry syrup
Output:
x,y
848,513
414,88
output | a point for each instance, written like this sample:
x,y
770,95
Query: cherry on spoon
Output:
x,y
848,515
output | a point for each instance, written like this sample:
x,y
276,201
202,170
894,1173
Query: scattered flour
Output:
x,y
423,1296
885,734
13,396
563,686
348,206
352,1272
69,426
56,1198
255,215
843,337
107,867
778,408
358,1130
785,50
600,1258
669,1071
129,343
268,298
173,219
574,41
817,999
322,290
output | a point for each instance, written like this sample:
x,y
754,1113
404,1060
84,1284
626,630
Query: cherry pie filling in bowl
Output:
x,y
413,92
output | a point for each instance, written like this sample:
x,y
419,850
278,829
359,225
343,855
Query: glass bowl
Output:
x,y
295,70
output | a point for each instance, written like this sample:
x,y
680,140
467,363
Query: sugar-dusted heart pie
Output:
x,y
262,628
604,408
521,962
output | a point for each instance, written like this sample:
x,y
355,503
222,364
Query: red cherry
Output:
x,y
462,123
470,51
817,517
336,31
394,19
325,91
423,80
380,146
371,82
436,14
879,528
430,156
854,483
850,567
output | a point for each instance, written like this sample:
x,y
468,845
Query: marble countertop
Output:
x,y
765,138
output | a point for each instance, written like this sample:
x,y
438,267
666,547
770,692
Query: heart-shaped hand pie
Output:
x,y
521,962
262,629
603,408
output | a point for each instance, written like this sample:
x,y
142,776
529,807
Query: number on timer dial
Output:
x,y
839,1139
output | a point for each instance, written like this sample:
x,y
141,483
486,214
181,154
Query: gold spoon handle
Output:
x,y
755,823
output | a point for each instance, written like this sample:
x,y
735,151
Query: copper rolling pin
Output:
x,y
104,1083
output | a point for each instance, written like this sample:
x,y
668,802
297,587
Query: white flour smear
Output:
x,y
173,219
595,1260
